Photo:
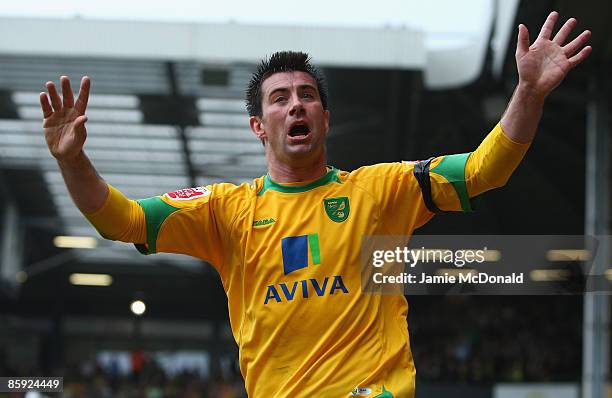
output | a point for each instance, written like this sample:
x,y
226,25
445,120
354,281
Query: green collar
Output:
x,y
269,184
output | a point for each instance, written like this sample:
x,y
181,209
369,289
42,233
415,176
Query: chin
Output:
x,y
300,152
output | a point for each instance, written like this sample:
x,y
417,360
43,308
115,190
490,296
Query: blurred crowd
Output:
x,y
479,339
471,339
153,382
149,382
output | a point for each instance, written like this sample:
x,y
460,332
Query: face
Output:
x,y
293,123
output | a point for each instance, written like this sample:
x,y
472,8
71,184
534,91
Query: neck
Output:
x,y
286,173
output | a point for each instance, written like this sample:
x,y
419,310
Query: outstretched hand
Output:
x,y
545,63
64,119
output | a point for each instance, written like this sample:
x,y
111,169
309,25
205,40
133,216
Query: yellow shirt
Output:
x,y
289,261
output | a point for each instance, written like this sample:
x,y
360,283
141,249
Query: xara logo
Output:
x,y
295,252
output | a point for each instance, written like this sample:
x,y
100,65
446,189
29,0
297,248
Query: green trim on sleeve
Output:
x,y
452,167
156,211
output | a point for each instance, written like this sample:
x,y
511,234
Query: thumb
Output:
x,y
79,127
522,44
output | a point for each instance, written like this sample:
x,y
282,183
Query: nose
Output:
x,y
296,106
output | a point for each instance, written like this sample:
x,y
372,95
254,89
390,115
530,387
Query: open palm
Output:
x,y
64,119
543,65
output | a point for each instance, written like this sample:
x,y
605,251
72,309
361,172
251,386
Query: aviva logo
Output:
x,y
305,289
296,253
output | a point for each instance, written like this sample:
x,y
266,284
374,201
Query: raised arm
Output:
x,y
114,216
65,133
542,66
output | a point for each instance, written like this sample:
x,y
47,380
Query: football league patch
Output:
x,y
360,391
188,193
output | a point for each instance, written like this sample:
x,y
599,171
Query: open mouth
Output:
x,y
300,129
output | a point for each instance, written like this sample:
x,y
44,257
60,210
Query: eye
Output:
x,y
307,95
279,98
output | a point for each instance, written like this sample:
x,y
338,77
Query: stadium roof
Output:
x,y
449,47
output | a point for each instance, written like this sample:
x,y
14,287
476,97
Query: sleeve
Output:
x,y
119,218
452,182
396,196
187,221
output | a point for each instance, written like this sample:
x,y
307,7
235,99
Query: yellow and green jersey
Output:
x,y
289,260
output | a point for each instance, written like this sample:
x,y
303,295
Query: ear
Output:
x,y
257,127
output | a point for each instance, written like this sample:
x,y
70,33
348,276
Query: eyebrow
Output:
x,y
285,88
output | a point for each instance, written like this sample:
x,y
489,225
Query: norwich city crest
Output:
x,y
337,209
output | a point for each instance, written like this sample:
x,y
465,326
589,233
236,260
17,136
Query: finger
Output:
x,y
522,44
549,25
581,56
56,101
67,92
81,103
564,31
45,105
570,48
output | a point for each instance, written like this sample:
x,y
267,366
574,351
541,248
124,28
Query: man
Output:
x,y
287,246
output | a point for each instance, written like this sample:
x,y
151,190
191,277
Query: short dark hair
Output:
x,y
282,61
